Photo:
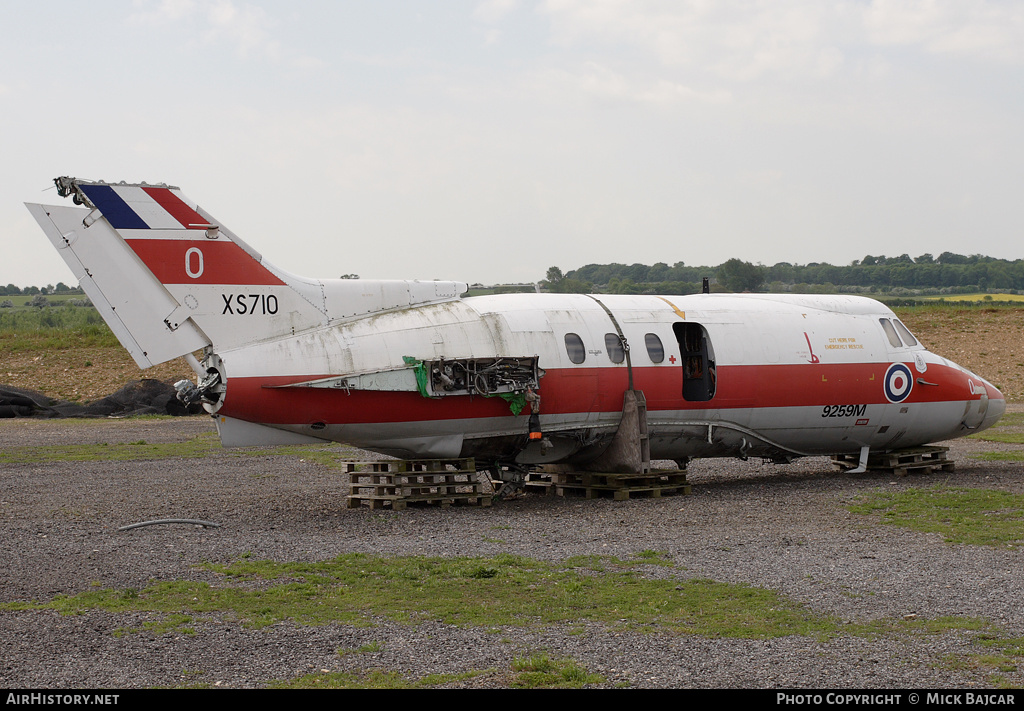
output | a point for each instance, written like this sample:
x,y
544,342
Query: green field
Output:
x,y
26,328
21,301
976,298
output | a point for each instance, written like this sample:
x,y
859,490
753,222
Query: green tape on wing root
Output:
x,y
516,401
420,369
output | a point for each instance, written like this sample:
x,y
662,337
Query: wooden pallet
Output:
x,y
901,462
539,483
591,485
400,482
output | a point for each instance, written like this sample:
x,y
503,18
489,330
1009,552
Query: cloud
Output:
x,y
148,12
165,11
983,30
738,41
492,11
244,27
756,39
598,82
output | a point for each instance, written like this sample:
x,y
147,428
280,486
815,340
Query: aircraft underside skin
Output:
x,y
821,410
778,433
673,434
413,369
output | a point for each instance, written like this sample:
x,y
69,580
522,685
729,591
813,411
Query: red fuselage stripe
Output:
x,y
583,390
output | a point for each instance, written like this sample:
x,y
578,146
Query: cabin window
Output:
x,y
613,344
890,333
655,350
574,347
904,332
700,377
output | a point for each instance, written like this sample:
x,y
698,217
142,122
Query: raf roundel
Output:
x,y
898,382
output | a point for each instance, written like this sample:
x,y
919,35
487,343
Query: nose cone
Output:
x,y
996,407
988,403
984,403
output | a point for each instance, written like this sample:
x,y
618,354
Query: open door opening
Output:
x,y
698,361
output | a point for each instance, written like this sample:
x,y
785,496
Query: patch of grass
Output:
x,y
1007,430
1010,419
655,557
375,679
353,589
362,649
997,657
999,456
484,592
977,298
51,328
999,436
198,447
168,623
919,626
541,672
1008,647
963,313
1001,655
596,563
371,679
327,454
981,517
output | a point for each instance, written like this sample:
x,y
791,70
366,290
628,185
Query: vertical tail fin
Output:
x,y
167,277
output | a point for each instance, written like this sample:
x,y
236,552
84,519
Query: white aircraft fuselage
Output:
x,y
413,369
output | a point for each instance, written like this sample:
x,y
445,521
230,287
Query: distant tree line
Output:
x,y
61,288
947,273
38,295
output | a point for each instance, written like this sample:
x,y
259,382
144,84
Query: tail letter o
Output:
x,y
198,271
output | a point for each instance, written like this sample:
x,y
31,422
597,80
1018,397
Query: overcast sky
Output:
x,y
486,141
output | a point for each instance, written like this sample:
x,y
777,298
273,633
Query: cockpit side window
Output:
x,y
904,332
890,333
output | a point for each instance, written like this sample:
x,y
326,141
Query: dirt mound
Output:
x,y
989,342
138,397
81,374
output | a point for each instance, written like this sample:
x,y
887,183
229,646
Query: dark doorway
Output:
x,y
699,374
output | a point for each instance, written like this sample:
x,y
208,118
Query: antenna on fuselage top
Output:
x,y
705,287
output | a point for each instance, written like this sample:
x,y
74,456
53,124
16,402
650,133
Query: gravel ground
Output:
x,y
783,528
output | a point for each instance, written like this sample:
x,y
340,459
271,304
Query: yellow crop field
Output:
x,y
978,297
